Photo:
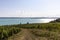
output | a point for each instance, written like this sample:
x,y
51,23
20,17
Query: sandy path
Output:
x,y
26,34
23,35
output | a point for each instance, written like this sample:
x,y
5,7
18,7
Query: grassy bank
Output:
x,y
44,31
47,30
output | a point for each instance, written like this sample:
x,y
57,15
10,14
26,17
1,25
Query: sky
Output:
x,y
29,8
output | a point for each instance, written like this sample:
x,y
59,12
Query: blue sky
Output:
x,y
29,8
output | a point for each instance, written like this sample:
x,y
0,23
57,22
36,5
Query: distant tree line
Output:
x,y
57,20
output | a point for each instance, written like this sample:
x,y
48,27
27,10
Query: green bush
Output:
x,y
6,31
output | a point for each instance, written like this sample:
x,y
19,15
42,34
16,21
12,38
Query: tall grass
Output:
x,y
7,31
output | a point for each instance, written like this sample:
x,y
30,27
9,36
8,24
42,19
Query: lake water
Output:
x,y
22,21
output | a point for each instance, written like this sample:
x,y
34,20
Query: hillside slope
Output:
x,y
36,34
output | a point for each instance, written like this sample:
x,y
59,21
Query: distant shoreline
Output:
x,y
29,17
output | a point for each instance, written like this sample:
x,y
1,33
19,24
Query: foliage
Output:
x,y
6,31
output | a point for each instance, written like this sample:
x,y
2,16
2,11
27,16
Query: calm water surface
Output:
x,y
23,21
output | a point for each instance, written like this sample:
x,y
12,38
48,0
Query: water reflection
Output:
x,y
46,20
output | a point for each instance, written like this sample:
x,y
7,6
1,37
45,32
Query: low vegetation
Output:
x,y
7,31
50,31
47,30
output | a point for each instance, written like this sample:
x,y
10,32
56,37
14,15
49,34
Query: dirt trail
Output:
x,y
27,35
24,35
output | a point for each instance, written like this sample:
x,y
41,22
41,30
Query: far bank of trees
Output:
x,y
57,20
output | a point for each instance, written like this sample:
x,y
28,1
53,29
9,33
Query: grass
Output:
x,y
7,31
48,30
51,31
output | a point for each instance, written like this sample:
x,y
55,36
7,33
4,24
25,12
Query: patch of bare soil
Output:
x,y
26,34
